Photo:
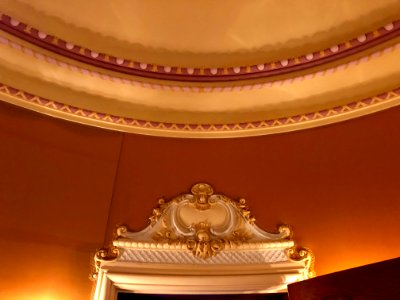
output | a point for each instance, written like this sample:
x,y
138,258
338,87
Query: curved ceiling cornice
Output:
x,y
209,74
295,122
55,63
207,87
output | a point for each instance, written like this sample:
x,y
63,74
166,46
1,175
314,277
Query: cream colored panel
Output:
x,y
204,33
79,86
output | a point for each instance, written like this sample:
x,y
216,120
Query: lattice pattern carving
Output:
x,y
184,257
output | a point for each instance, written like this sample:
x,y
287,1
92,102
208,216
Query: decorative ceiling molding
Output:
x,y
187,73
204,243
47,73
104,120
176,86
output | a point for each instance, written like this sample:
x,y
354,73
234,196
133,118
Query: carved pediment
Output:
x,y
214,233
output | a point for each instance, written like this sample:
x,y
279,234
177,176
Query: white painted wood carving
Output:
x,y
200,243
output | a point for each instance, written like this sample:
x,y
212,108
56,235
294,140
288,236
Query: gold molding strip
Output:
x,y
148,127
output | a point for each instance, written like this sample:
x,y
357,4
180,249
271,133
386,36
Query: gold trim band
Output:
x,y
255,128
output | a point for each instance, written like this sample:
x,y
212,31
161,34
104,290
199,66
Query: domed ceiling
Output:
x,y
201,68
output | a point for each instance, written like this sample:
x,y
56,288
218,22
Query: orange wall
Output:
x,y
56,183
338,186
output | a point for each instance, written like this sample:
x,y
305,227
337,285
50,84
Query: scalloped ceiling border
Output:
x,y
120,123
143,69
197,89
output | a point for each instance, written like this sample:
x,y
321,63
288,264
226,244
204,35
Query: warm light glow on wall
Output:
x,y
36,293
39,296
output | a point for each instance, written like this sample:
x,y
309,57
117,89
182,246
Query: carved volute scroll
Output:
x,y
209,230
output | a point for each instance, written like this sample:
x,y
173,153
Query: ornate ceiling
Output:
x,y
201,68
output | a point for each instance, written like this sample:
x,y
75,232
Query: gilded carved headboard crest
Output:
x,y
210,230
206,223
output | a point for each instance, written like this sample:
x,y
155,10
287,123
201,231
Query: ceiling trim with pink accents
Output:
x,y
65,48
279,83
195,130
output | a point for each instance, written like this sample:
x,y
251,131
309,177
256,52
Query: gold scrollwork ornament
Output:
x,y
104,254
303,254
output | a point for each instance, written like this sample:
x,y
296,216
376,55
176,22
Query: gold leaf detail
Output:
x,y
201,193
303,254
104,254
204,245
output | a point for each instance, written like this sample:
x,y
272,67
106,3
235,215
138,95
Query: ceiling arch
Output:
x,y
334,72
